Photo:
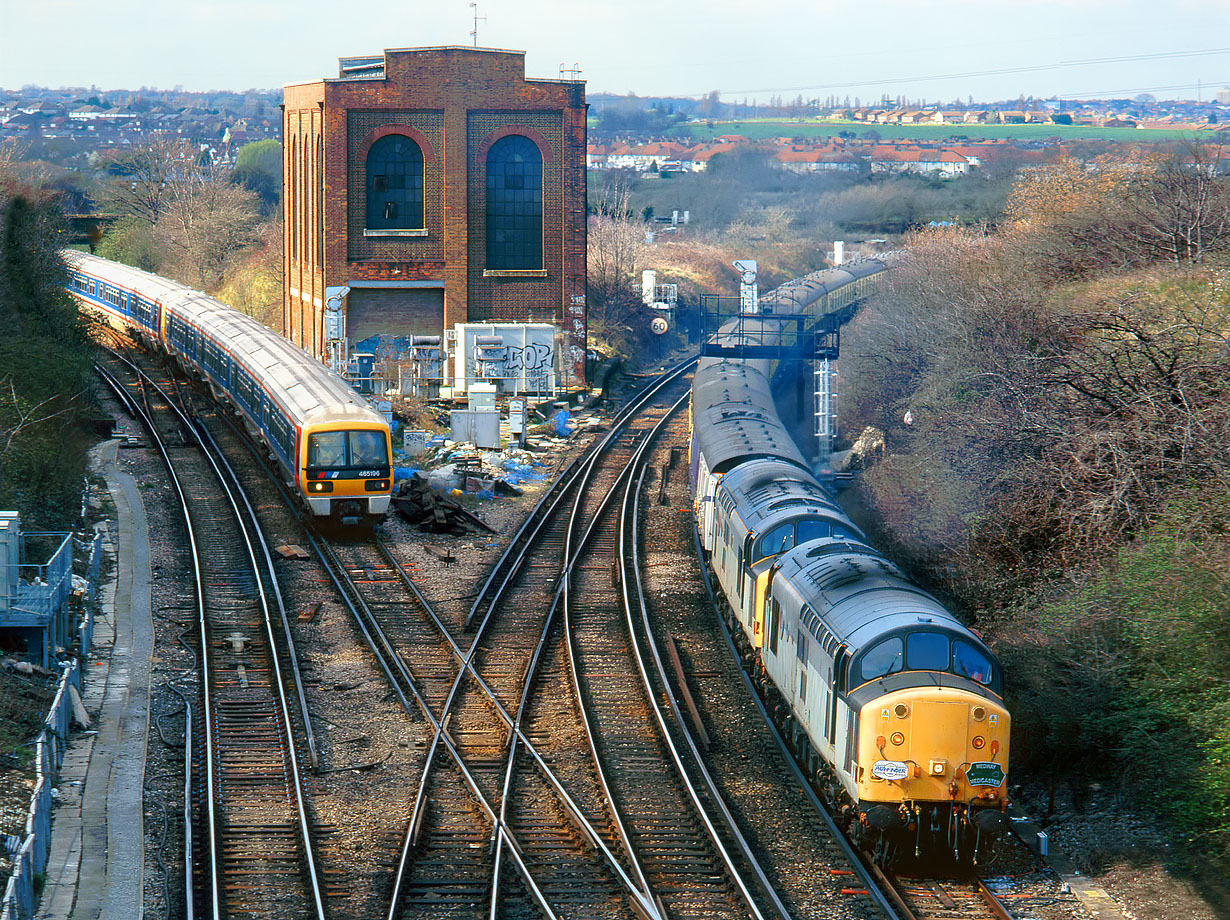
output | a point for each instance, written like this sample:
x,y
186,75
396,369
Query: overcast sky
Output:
x,y
953,49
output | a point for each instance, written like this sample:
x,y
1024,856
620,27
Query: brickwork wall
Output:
x,y
451,101
302,217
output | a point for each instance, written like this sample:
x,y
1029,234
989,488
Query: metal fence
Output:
x,y
52,582
30,859
31,851
85,629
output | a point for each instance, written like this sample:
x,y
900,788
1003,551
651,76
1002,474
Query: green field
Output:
x,y
810,127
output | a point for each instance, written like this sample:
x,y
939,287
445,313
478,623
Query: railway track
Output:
x,y
498,787
509,818
552,839
924,897
460,802
250,846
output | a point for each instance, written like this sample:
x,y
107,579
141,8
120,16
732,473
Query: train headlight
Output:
x,y
901,710
376,485
318,486
978,742
898,738
938,767
979,713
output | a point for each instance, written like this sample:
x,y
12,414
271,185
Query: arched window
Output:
x,y
514,204
395,184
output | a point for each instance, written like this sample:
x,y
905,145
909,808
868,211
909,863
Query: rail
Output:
x,y
214,832
635,608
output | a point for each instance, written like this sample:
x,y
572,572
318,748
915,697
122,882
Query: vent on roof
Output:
x,y
789,502
832,549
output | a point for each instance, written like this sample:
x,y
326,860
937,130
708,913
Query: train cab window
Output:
x,y
882,659
367,448
813,530
968,661
327,449
777,541
927,651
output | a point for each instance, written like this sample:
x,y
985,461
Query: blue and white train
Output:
x,y
332,448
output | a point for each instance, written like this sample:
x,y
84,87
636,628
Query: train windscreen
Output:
x,y
333,450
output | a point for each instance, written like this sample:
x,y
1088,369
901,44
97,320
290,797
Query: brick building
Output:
x,y
426,187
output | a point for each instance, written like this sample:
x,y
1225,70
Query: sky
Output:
x,y
940,51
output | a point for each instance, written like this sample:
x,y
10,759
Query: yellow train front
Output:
x,y
344,470
901,705
931,765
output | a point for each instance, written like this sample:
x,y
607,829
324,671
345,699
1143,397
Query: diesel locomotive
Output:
x,y
896,707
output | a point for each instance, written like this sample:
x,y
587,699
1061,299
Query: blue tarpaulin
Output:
x,y
559,423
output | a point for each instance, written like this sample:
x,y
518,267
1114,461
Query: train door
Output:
x,y
743,594
822,714
801,650
773,618
834,689
706,496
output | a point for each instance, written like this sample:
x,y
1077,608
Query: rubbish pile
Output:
x,y
430,478
419,503
463,468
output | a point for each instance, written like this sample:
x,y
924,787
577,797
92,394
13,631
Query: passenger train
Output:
x,y
897,707
332,448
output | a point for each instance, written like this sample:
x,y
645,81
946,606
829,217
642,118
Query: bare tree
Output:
x,y
1182,207
144,174
205,223
17,413
615,248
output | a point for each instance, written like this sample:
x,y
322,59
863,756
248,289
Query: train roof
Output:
x,y
306,387
312,391
801,292
769,492
858,594
154,287
733,418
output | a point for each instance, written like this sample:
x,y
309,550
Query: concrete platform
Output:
x,y
1093,897
97,862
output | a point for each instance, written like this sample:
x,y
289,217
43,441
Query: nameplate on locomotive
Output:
x,y
889,769
984,774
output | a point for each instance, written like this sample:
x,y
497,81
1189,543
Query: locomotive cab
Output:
x,y
932,736
346,471
901,704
